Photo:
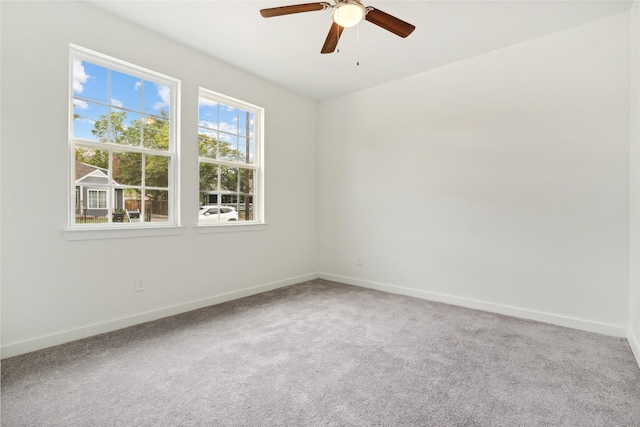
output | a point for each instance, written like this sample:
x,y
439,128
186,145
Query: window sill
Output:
x,y
230,228
120,233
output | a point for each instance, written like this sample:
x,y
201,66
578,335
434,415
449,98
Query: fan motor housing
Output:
x,y
348,13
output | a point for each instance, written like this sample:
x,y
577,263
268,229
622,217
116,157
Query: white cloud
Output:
x,y
79,104
228,127
225,137
80,77
165,95
206,102
116,103
137,85
86,120
208,124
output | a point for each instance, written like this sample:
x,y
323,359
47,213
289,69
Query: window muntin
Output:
x,y
229,149
123,142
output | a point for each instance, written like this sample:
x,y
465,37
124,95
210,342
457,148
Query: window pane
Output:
x,y
102,200
89,121
228,147
228,119
252,151
156,206
207,113
96,199
92,198
246,181
132,198
245,123
208,183
245,150
91,157
125,127
127,168
156,98
245,208
237,153
207,143
228,179
125,91
156,171
156,132
89,81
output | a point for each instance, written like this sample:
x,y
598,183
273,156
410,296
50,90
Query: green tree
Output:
x,y
90,156
118,127
209,146
151,132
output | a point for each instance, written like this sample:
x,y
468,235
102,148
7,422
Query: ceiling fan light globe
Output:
x,y
348,14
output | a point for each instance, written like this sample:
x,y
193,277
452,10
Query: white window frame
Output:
x,y
257,166
173,202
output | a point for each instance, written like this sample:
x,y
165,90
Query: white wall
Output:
x,y
55,290
500,182
633,333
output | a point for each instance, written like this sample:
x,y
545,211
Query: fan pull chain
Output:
x,y
338,33
358,45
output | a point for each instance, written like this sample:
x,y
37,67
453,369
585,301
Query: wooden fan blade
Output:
x,y
332,38
388,22
296,8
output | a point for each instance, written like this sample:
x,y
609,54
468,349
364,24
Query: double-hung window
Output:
x,y
230,160
122,144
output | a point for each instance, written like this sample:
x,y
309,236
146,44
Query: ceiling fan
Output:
x,y
345,13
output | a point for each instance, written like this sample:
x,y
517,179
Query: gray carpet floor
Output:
x,y
323,353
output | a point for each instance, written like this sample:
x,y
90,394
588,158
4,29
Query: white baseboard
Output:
x,y
634,343
555,319
17,348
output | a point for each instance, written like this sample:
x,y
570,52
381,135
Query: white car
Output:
x,y
211,214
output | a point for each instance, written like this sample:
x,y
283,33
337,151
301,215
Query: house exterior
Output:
x,y
92,186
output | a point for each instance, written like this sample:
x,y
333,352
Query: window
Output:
x,y
97,199
229,149
122,142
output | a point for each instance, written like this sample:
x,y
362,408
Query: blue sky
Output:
x,y
92,99
141,98
225,123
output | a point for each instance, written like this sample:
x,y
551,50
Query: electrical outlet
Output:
x,y
141,284
359,260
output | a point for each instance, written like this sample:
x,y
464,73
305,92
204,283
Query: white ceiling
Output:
x,y
286,50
